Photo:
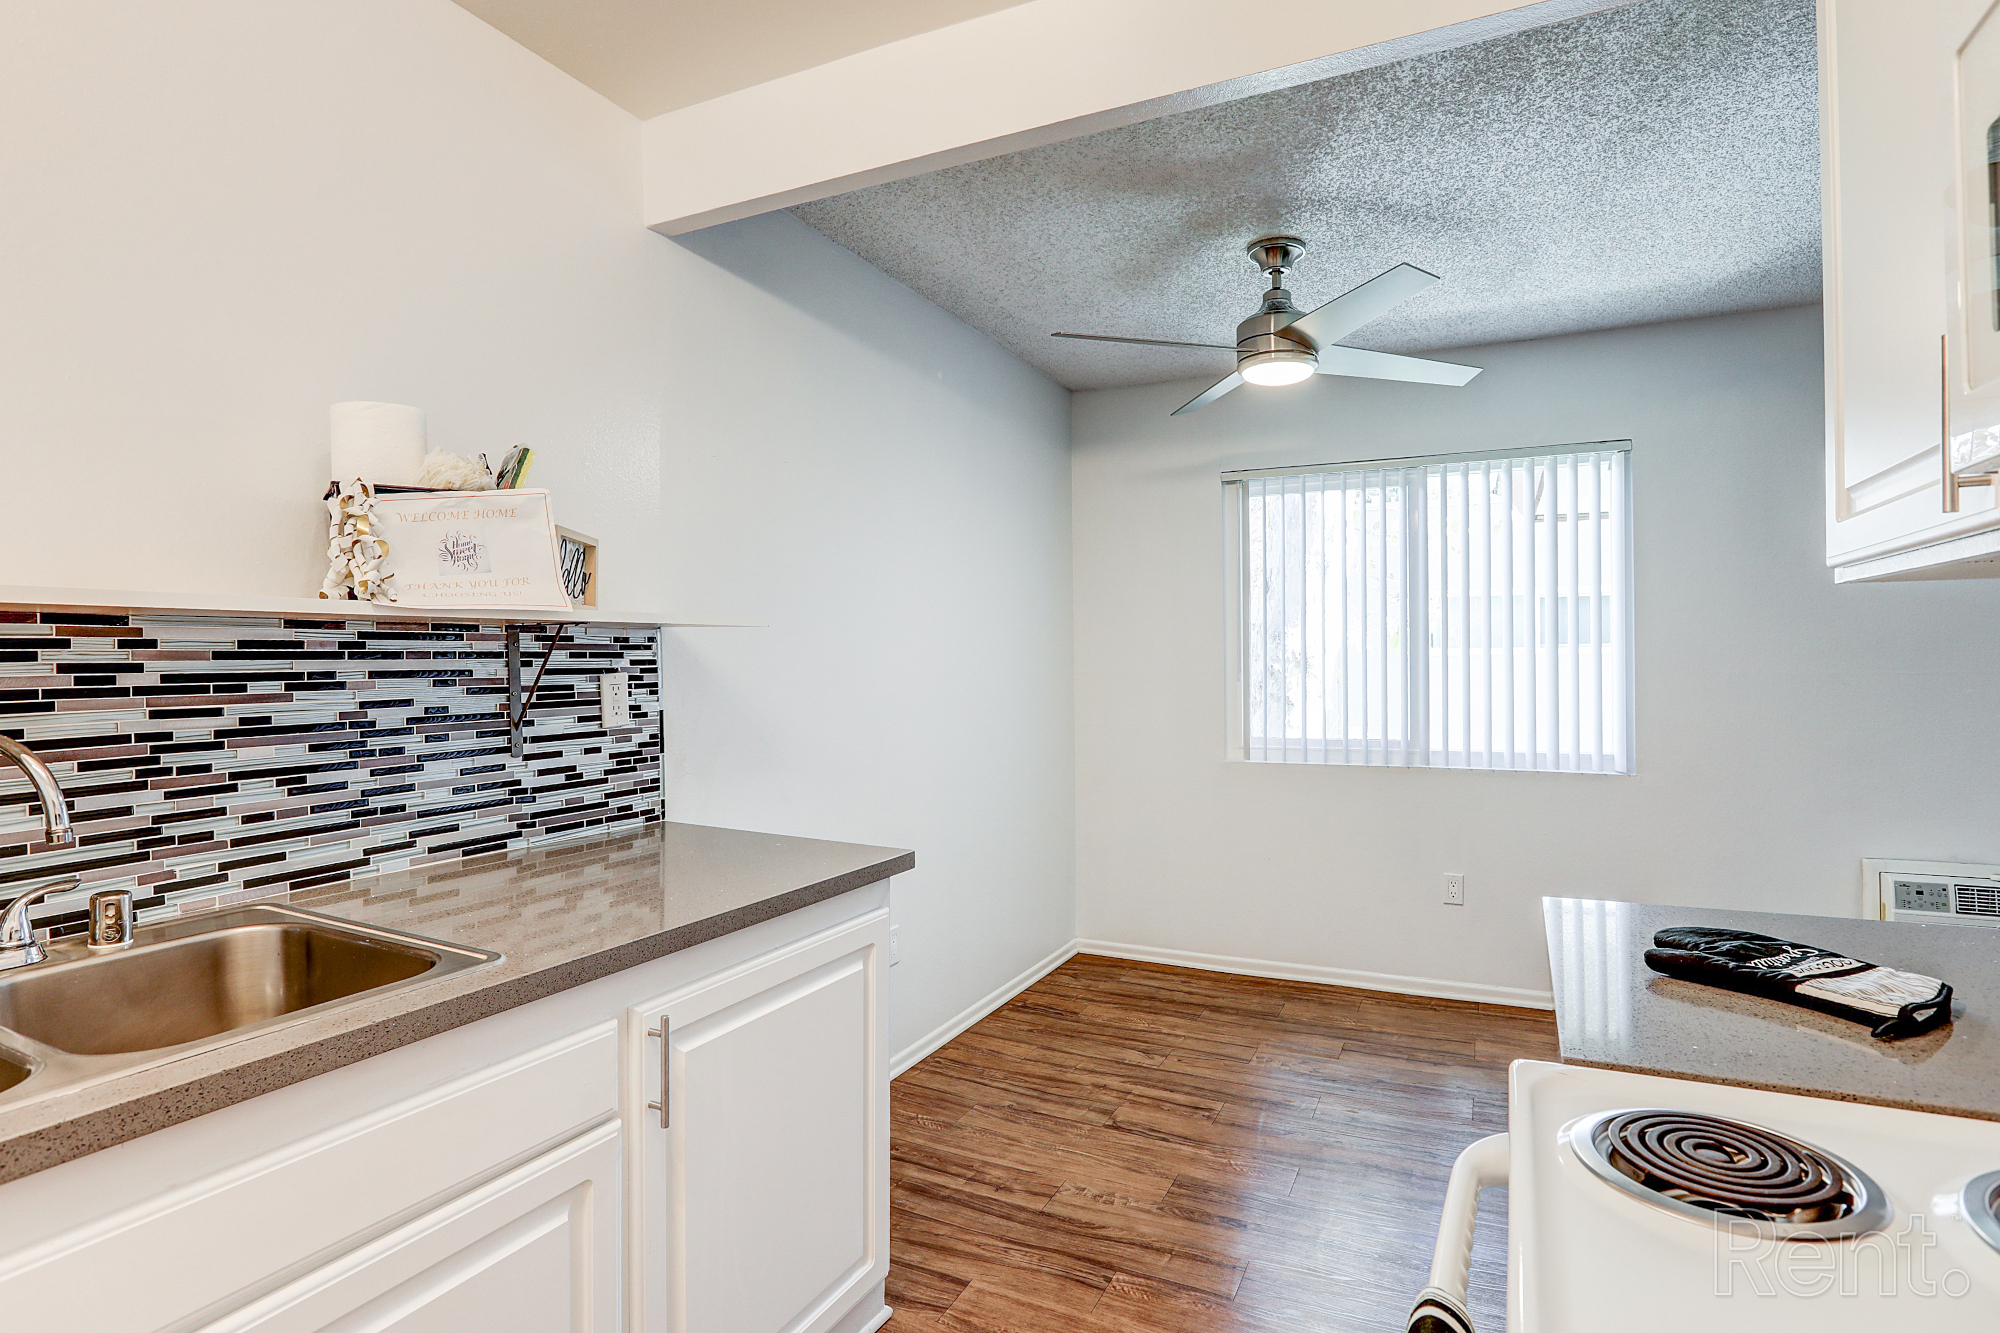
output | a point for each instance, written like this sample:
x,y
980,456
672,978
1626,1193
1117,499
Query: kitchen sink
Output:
x,y
197,982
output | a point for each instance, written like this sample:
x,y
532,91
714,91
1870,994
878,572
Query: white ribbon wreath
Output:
x,y
353,552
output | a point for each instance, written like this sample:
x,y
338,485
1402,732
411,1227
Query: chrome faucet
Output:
x,y
55,809
17,938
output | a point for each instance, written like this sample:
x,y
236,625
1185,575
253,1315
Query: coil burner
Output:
x,y
1979,1204
1719,1171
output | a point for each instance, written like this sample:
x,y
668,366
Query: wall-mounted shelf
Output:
x,y
118,601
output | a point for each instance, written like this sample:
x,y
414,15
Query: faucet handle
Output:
x,y
17,941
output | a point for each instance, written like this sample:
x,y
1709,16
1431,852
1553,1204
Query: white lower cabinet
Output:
x,y
534,1251
508,1176
187,1247
760,1200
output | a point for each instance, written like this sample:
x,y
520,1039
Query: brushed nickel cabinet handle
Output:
x,y
1952,481
661,1105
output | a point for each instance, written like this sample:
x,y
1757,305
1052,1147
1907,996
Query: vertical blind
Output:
x,y
1456,613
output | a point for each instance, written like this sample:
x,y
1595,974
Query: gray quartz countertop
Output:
x,y
562,916
1615,1012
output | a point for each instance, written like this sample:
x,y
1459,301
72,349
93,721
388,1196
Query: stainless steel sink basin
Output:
x,y
194,983
12,1072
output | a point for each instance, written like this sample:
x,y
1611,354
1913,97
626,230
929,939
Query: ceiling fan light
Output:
x,y
1277,367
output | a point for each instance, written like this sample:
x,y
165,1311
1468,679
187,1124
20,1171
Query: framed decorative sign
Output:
x,y
477,550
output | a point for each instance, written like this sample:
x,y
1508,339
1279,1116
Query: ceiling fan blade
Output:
x,y
1210,394
1150,342
1373,298
1388,366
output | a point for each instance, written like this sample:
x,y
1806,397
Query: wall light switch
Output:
x,y
895,945
614,699
1454,890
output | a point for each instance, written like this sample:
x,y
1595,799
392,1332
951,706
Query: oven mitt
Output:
x,y
1891,1003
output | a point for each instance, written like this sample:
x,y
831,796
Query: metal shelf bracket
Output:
x,y
517,702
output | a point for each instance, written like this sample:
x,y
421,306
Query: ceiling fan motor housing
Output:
x,y
1265,354
1265,332
1261,340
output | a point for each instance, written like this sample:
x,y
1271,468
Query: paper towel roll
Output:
x,y
381,443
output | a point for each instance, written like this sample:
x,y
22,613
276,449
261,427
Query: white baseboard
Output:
x,y
1325,976
959,1022
1430,987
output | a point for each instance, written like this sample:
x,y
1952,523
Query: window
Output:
x,y
1471,611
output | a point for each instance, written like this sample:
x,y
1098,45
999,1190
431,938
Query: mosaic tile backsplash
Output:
x,y
213,761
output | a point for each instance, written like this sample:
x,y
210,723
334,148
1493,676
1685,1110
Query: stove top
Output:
x,y
1708,1168
1657,1205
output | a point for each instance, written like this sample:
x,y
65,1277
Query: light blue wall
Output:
x,y
889,490
1787,727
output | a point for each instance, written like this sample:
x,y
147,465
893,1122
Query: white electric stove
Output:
x,y
1640,1203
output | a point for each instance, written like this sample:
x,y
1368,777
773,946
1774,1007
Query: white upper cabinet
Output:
x,y
1910,115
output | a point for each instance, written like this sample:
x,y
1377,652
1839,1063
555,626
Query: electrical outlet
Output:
x,y
614,699
895,945
1454,890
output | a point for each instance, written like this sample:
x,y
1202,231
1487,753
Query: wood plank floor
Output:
x,y
1129,1148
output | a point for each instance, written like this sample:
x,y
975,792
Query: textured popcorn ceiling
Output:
x,y
1659,161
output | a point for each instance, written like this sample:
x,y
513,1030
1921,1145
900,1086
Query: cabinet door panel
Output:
x,y
535,1251
1884,257
201,1247
762,1203
1902,289
518,1278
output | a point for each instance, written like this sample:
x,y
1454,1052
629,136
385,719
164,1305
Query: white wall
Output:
x,y
890,491
1787,727
223,215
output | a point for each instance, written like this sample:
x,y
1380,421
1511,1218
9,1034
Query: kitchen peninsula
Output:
x,y
686,1023
1614,1012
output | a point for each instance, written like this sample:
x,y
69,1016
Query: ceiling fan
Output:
x,y
1278,345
